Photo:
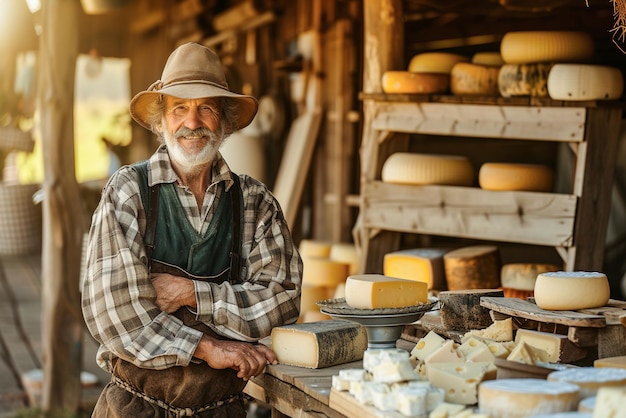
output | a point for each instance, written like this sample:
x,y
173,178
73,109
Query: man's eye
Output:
x,y
179,110
207,110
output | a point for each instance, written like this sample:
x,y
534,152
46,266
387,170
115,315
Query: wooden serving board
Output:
x,y
347,405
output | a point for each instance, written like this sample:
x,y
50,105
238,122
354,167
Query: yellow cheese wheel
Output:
x,y
571,290
519,177
314,248
319,271
310,295
546,46
421,264
521,80
414,83
374,291
435,62
422,169
617,362
474,79
490,58
585,82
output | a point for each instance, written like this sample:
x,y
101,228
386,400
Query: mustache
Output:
x,y
198,132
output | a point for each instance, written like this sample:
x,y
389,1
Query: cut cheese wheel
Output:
x,y
585,82
421,264
546,46
414,83
474,79
345,253
423,169
473,267
320,344
566,291
610,402
461,310
312,248
490,58
318,271
525,397
435,62
373,291
590,379
516,177
550,348
524,80
522,276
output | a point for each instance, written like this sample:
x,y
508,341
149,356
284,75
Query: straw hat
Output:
x,y
192,71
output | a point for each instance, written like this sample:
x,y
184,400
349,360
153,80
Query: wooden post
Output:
x,y
63,229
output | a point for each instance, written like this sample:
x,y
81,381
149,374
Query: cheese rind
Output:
x,y
473,267
474,79
522,276
524,80
590,379
557,347
420,264
515,177
435,62
374,291
571,290
524,47
424,169
406,82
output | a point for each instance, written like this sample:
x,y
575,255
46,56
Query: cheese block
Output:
x,y
373,291
426,345
381,396
526,354
523,47
459,380
420,264
491,58
470,345
524,80
342,380
423,169
314,248
474,79
374,357
571,290
407,82
525,397
394,371
522,276
435,62
473,267
500,330
610,402
461,311
590,379
616,362
344,252
319,271
515,177
556,346
585,82
446,353
315,345
587,404
446,410
411,401
570,414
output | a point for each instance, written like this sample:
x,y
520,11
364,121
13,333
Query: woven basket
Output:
x,y
20,220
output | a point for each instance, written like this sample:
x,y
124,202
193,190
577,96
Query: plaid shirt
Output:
x,y
118,298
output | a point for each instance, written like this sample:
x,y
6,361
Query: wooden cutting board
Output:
x,y
347,404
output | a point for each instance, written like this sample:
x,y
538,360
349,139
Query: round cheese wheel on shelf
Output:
x,y
345,253
310,295
422,169
571,290
516,177
474,79
523,276
522,80
473,267
525,397
319,271
490,58
314,248
590,379
585,82
435,62
414,83
526,47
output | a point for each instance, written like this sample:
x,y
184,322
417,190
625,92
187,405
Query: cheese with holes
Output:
x,y
406,82
557,347
523,353
474,79
585,82
373,291
473,267
446,353
491,58
590,379
525,397
420,264
516,177
320,344
525,47
500,330
610,402
460,380
318,271
423,169
435,62
523,276
524,80
426,345
571,290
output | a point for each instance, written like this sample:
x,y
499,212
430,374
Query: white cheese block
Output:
x,y
381,396
474,79
342,380
563,290
523,47
411,401
392,372
500,330
459,380
571,414
373,291
446,353
374,357
491,58
426,345
420,264
515,177
361,390
610,402
446,410
585,82
319,271
522,276
524,80
320,344
471,344
525,397
523,353
590,379
406,82
482,354
424,169
435,62
498,349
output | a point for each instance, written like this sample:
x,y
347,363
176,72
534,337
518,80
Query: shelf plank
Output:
x,y
524,217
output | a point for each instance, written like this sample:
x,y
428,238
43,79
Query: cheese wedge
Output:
x,y
373,291
610,402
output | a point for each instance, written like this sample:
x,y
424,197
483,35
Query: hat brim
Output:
x,y
140,104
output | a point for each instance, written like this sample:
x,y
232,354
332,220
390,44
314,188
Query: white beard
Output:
x,y
192,162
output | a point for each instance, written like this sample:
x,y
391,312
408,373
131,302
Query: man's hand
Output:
x,y
173,292
248,359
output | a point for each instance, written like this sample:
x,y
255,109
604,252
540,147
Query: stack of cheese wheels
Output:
x,y
479,77
344,253
518,279
421,264
424,169
376,291
529,56
473,267
585,82
590,379
571,290
516,177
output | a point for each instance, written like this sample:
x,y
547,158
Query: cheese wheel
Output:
x,y
525,397
570,414
546,46
314,248
473,267
490,58
516,177
423,169
318,271
590,379
564,291
523,80
310,295
461,310
522,276
616,362
610,402
421,264
373,291
414,83
587,404
474,79
435,62
585,82
345,253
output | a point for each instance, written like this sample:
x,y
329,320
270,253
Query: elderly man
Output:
x,y
189,264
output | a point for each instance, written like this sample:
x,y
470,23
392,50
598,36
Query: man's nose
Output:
x,y
193,121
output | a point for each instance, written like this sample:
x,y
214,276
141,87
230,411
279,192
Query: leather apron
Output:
x,y
197,389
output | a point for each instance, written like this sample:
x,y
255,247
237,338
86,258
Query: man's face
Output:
x,y
192,130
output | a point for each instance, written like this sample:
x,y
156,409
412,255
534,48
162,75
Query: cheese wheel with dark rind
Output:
x,y
474,79
524,80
